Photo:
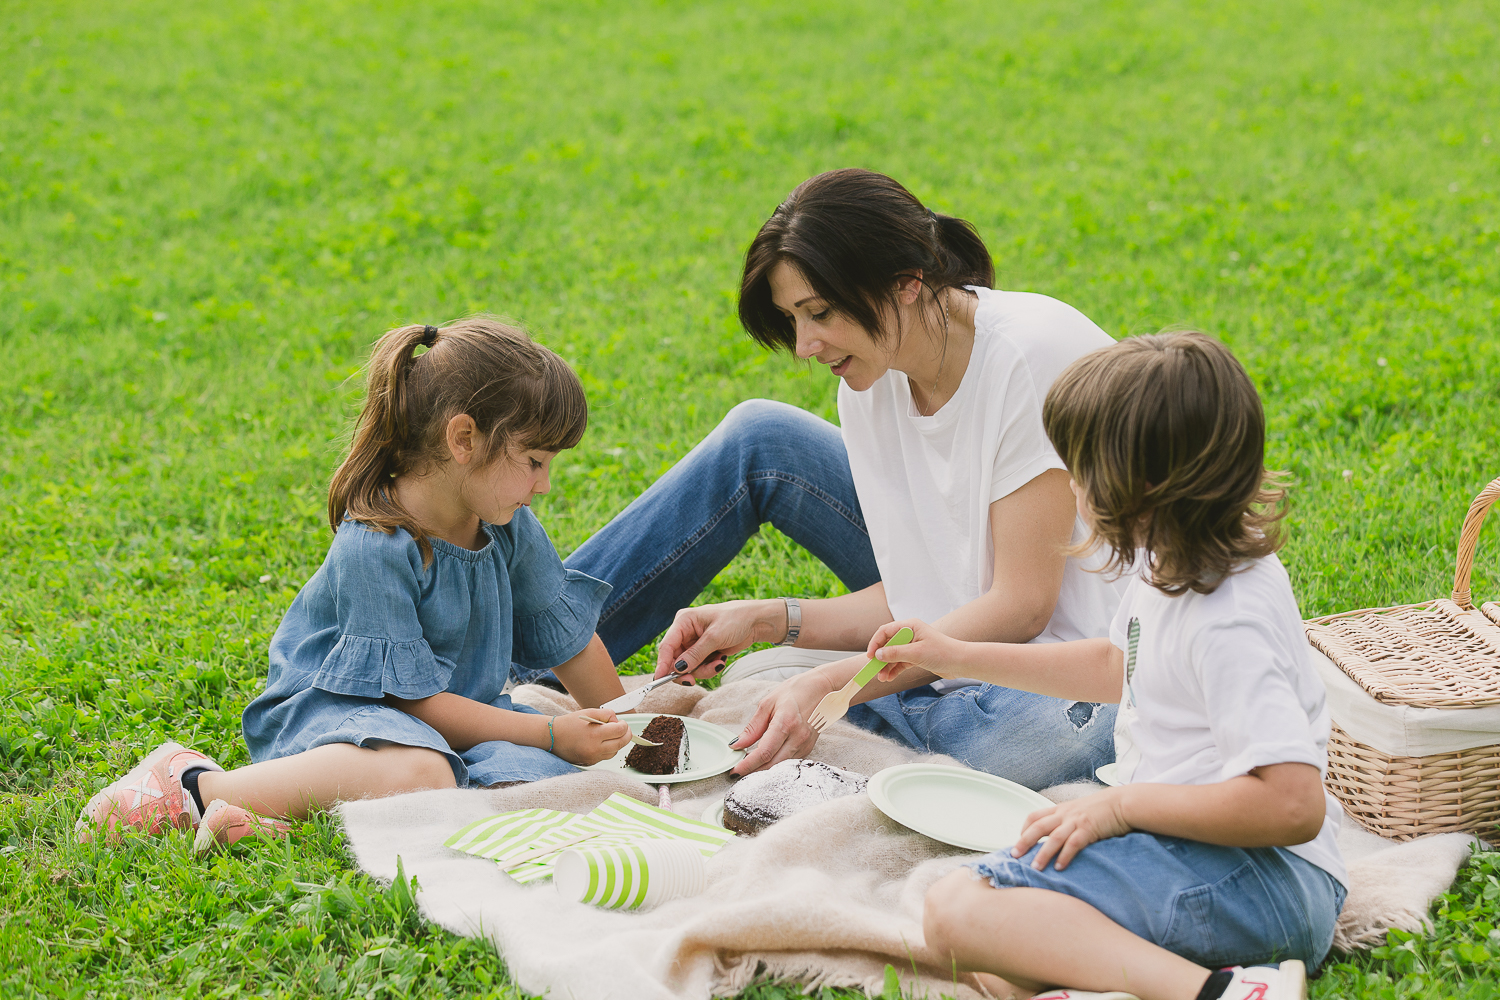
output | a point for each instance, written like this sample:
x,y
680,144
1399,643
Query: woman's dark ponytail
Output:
x,y
971,262
853,234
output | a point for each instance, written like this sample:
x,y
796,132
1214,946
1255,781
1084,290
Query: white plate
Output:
x,y
708,752
714,813
1109,774
954,804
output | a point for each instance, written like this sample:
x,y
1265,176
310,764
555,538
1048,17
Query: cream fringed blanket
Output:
x,y
830,896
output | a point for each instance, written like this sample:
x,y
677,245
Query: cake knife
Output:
x,y
632,700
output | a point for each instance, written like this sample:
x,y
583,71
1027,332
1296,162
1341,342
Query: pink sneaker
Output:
x,y
1268,982
224,824
1084,995
150,798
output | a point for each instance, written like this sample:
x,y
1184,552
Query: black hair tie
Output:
x,y
429,336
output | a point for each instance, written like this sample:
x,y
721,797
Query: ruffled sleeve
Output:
x,y
375,582
556,609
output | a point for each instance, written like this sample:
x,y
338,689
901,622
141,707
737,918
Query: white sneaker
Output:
x,y
779,663
1265,982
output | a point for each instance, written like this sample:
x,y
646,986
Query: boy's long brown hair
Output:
x,y
1166,437
518,392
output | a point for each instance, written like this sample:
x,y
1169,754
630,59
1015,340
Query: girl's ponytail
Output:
x,y
517,391
381,433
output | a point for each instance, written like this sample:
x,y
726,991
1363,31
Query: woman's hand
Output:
x,y
929,650
1071,826
702,639
581,742
779,728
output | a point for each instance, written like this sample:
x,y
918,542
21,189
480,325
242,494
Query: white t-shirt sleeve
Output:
x,y
1253,709
1023,451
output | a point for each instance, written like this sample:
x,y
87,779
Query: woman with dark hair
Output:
x,y
940,498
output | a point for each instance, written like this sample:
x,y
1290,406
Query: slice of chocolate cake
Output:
x,y
669,758
762,798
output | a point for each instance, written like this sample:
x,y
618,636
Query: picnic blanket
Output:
x,y
830,896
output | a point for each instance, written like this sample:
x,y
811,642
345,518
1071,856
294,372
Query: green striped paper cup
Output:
x,y
633,876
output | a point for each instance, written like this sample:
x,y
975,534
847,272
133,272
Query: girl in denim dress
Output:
x,y
388,672
1219,849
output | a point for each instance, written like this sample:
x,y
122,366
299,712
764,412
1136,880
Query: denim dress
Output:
x,y
373,622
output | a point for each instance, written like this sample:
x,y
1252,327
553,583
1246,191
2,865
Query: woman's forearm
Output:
x,y
464,722
843,622
590,677
1004,613
1279,805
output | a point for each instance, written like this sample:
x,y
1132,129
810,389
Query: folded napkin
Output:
x,y
617,821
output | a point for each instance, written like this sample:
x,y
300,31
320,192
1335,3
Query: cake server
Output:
x,y
639,741
629,701
836,703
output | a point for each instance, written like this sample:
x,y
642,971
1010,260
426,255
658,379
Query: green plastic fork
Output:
x,y
836,703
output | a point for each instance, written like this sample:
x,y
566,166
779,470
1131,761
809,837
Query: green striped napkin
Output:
x,y
619,820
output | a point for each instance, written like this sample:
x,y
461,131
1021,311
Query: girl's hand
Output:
x,y
702,639
928,650
578,741
1071,826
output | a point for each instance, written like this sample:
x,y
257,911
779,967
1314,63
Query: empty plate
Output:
x,y
955,805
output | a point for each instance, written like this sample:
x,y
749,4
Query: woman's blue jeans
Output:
x,y
770,462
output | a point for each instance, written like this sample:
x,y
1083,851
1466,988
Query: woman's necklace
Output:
x,y
942,358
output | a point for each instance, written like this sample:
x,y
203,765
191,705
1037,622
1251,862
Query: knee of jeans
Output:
x,y
753,420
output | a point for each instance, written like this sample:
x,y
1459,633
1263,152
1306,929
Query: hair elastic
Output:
x,y
551,736
429,335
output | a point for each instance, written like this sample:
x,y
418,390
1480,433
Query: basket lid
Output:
x,y
1433,655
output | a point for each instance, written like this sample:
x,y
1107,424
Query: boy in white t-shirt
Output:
x,y
1219,850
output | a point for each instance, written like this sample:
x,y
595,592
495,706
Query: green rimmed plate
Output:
x,y
955,805
1109,774
708,747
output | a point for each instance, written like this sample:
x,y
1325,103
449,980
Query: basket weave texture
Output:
x,y
1438,654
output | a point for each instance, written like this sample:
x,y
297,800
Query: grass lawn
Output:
x,y
209,211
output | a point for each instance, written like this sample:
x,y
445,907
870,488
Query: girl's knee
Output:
x,y
945,909
417,768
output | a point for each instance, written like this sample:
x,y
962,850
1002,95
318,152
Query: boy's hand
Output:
x,y
1071,826
928,650
579,741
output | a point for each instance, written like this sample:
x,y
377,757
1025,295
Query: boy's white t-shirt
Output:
x,y
1218,684
925,483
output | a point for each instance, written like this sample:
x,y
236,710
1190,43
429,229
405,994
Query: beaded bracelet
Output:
x,y
551,736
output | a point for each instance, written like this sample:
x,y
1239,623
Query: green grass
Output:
x,y
209,211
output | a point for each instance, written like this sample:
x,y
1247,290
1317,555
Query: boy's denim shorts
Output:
x,y
1216,906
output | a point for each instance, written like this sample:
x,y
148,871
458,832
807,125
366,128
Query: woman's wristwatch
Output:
x,y
793,621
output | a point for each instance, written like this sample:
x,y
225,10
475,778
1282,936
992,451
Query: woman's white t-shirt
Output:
x,y
925,483
1218,684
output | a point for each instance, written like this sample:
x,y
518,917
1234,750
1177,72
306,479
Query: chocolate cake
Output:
x,y
669,758
762,798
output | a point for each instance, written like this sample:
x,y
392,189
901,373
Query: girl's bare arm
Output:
x,y
590,677
1278,805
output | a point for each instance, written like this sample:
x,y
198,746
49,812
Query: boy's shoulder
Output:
x,y
1257,588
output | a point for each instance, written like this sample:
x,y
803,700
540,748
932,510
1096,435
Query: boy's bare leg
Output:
x,y
1038,939
292,787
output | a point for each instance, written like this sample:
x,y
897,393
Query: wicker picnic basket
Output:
x,y
1442,654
